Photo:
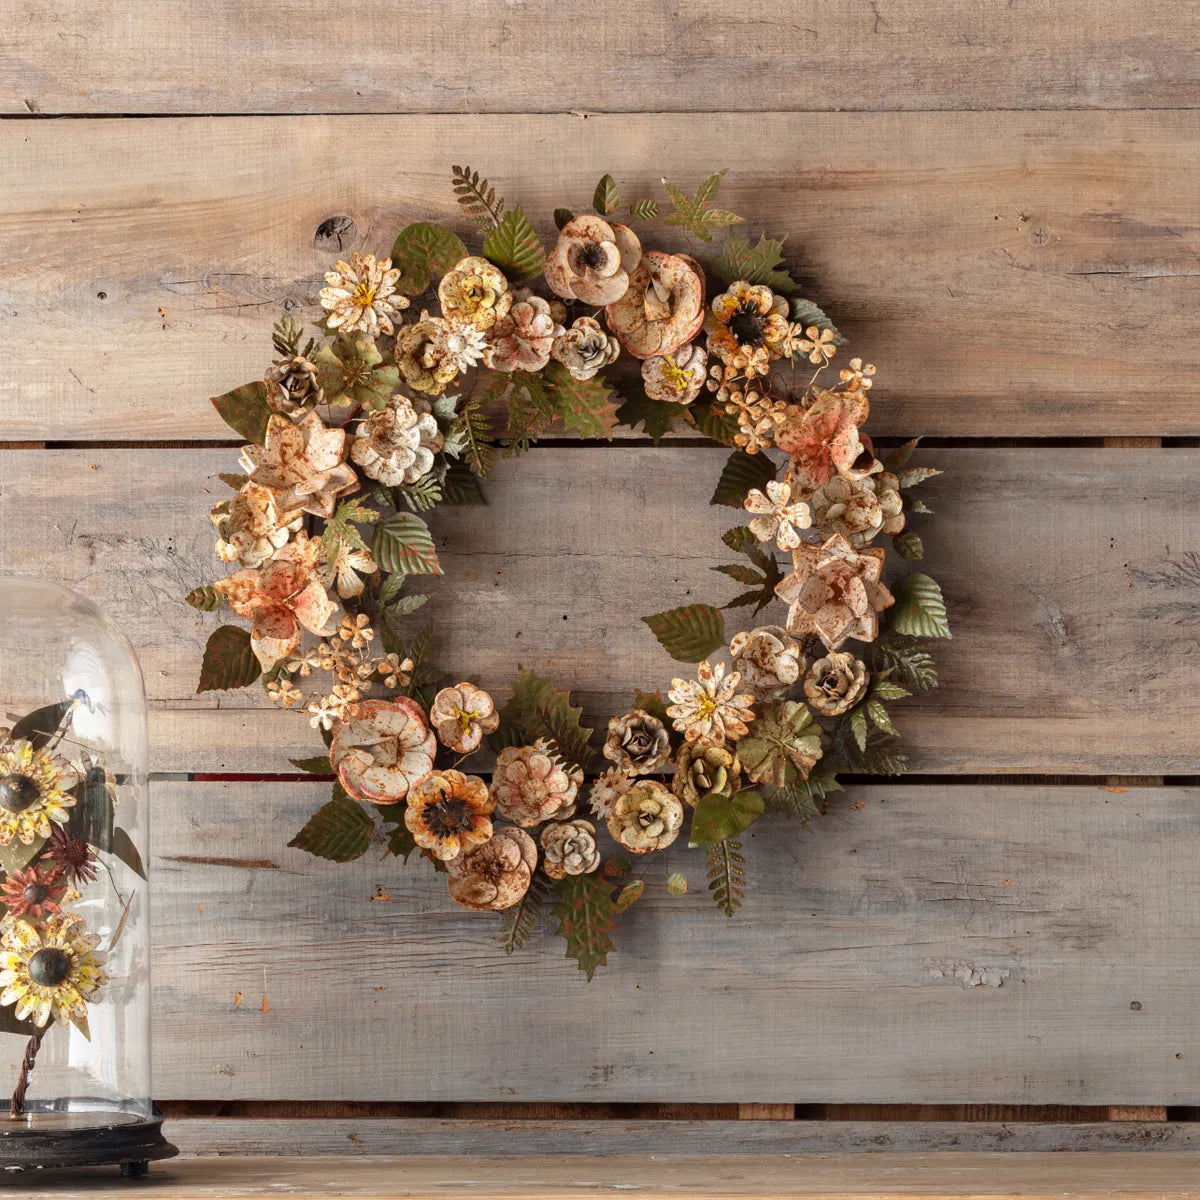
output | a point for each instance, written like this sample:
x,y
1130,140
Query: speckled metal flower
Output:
x,y
382,748
748,327
646,818
34,793
530,785
585,349
462,715
710,706
475,292
675,378
496,875
361,294
779,517
396,444
570,848
768,659
522,340
73,859
449,812
638,743
33,893
50,969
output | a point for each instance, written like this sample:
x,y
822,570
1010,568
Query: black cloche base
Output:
x,y
130,1144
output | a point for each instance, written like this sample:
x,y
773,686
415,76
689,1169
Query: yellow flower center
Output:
x,y
706,706
363,295
675,375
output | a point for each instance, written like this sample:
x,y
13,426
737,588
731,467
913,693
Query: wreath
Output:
x,y
355,433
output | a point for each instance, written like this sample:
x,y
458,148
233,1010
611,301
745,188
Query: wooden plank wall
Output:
x,y
1000,203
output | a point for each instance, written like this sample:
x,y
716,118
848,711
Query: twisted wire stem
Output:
x,y
16,1107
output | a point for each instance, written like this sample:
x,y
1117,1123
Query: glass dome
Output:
x,y
74,900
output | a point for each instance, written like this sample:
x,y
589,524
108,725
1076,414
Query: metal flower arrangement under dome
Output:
x,y
425,366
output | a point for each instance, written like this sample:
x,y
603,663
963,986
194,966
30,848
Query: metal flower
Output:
x,y
646,818
293,386
664,306
382,748
703,767
835,684
607,788
675,378
51,969
33,893
73,859
250,528
859,509
522,340
462,715
495,875
585,349
475,292
767,658
448,813
780,517
835,592
302,464
361,294
570,848
396,444
424,356
817,345
638,743
749,324
530,785
35,793
823,440
592,259
710,706
857,377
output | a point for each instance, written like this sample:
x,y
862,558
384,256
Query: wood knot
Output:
x,y
333,232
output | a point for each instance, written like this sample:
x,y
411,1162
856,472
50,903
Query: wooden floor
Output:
x,y
1001,206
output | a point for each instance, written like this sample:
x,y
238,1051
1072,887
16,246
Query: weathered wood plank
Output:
x,y
1065,659
937,944
1169,1176
992,264
288,56
361,1136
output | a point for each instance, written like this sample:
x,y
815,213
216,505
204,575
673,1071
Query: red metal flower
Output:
x,y
32,893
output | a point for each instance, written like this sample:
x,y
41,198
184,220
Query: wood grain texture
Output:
x,y
289,56
937,944
360,1136
1068,657
1168,1176
1013,274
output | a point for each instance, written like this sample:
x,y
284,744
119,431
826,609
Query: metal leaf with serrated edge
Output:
x,y
585,919
403,543
514,246
717,817
583,405
206,598
656,417
318,764
754,264
677,884
742,472
879,715
726,875
339,831
606,199
245,410
920,609
644,210
689,633
229,661
422,250
909,545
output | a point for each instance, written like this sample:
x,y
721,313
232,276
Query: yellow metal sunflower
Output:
x,y
50,969
33,792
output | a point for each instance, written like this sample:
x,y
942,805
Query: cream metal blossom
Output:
x,y
361,294
50,969
462,715
779,516
396,444
382,748
34,793
710,706
530,785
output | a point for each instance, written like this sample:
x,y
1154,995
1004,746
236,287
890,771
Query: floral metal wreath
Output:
x,y
354,433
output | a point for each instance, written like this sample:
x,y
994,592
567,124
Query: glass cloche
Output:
x,y
74,901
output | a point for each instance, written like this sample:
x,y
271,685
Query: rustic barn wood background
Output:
x,y
1001,205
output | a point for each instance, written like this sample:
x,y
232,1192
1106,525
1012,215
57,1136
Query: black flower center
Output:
x,y
593,256
447,817
35,893
747,326
49,967
17,793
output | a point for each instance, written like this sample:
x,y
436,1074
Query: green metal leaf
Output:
x,y
563,217
808,314
909,545
403,543
689,633
245,410
755,264
585,919
644,210
920,609
606,199
515,247
518,923
339,831
628,896
742,472
858,727
462,486
584,405
229,661
318,764
422,250
784,743
718,817
127,852
726,875
677,884
206,598
535,710
879,715
39,726
477,197
657,417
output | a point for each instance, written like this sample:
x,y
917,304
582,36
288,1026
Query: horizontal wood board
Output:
x,y
89,56
920,944
1012,274
1067,656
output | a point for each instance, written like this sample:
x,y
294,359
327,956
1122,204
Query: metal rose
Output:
x,y
835,684
570,848
585,348
703,767
475,292
530,785
448,813
767,658
859,509
835,592
396,444
382,748
424,356
592,259
302,463
462,715
675,378
293,386
646,818
495,875
522,340
249,527
637,742
664,306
